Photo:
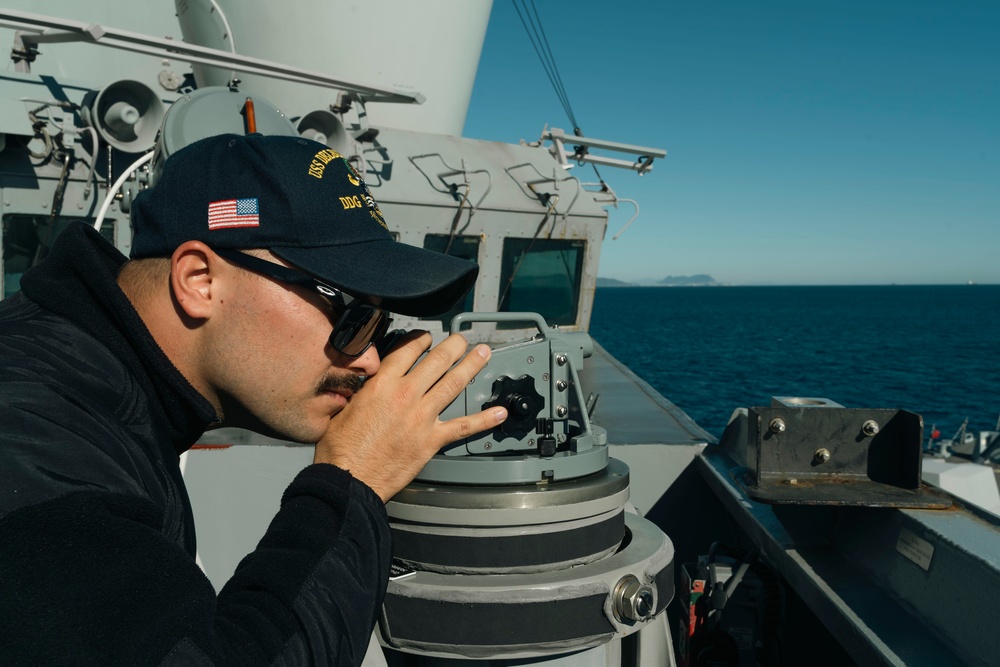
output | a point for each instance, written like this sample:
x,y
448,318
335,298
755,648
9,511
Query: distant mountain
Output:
x,y
611,282
700,280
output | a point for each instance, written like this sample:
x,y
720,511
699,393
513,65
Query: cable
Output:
x,y
537,36
114,188
229,32
458,216
555,70
550,210
91,173
225,24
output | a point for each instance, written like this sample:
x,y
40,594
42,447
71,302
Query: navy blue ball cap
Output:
x,y
306,204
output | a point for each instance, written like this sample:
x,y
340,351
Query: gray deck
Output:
x,y
633,412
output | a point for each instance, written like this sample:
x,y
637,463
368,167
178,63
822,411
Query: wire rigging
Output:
x,y
541,44
555,70
539,40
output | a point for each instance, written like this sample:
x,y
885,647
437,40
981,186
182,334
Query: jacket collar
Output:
x,y
77,280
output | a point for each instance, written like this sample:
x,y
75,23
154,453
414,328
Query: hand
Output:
x,y
390,429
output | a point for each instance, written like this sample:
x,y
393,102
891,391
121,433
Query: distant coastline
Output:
x,y
699,280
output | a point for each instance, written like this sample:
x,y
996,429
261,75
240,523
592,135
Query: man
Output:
x,y
246,252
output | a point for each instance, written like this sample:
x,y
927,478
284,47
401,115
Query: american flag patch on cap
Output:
x,y
233,213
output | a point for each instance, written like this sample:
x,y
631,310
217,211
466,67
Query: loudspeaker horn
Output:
x,y
324,126
127,114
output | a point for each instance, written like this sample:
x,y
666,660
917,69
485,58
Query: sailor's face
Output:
x,y
281,376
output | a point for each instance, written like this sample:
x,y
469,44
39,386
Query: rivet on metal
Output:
x,y
561,385
561,411
531,360
545,377
777,425
822,455
561,359
488,446
870,427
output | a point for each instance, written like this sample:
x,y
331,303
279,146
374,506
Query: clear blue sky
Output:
x,y
855,142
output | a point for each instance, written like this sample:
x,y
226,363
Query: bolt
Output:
x,y
521,405
822,455
777,425
870,427
545,377
531,360
561,359
488,446
633,601
561,411
644,603
531,442
561,385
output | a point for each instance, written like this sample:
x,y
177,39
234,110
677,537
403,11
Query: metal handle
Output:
x,y
534,318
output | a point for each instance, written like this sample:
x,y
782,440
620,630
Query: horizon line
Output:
x,y
768,284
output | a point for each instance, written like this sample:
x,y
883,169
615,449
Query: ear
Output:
x,y
194,269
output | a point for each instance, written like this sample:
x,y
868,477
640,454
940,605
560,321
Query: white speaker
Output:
x,y
127,115
325,127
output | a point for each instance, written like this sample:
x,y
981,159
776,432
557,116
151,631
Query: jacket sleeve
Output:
x,y
88,578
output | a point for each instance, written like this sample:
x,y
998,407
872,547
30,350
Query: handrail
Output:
x,y
39,29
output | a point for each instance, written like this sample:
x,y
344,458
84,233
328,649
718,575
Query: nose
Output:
x,y
367,364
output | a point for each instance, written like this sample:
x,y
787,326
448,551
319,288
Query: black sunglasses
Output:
x,y
359,325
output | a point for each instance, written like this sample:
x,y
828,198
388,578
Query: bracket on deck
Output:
x,y
812,451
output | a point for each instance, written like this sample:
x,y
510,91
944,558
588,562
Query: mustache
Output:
x,y
348,381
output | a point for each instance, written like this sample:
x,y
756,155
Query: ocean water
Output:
x,y
933,350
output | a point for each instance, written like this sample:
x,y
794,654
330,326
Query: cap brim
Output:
x,y
409,280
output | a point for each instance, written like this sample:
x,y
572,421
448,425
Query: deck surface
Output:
x,y
633,412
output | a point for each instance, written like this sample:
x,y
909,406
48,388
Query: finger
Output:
x,y
456,380
406,351
387,343
460,373
437,362
460,428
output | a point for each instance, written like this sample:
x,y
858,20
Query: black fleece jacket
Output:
x,y
96,532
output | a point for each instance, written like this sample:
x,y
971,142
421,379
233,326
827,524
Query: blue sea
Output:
x,y
933,350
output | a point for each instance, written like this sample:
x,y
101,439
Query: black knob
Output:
x,y
523,403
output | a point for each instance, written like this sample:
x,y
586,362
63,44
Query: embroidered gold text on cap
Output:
x,y
321,159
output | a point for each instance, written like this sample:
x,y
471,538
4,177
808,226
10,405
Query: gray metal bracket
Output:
x,y
815,452
642,164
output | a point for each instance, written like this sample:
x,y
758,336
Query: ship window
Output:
x,y
465,247
27,240
541,276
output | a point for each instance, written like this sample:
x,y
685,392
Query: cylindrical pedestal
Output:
x,y
534,573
